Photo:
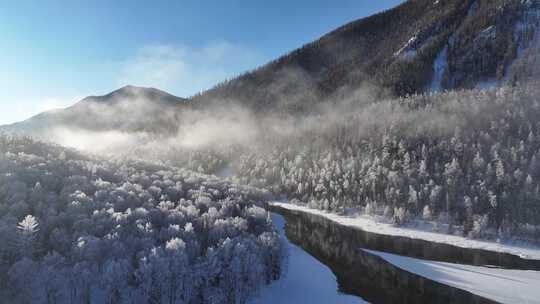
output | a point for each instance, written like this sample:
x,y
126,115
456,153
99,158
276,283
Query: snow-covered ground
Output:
x,y
407,50
439,66
368,224
501,285
307,280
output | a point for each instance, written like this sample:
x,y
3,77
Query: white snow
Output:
x,y
488,33
409,54
368,224
501,285
307,280
472,10
530,20
439,66
407,50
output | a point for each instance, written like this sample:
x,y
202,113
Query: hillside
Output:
x,y
412,134
419,46
129,108
416,47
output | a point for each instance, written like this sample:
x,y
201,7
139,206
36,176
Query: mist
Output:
x,y
161,127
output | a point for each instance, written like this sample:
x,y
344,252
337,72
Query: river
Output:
x,y
327,265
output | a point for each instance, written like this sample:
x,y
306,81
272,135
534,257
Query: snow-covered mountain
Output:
x,y
129,108
418,46
326,127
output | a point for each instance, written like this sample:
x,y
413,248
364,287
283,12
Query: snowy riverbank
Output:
x,y
307,280
368,224
501,285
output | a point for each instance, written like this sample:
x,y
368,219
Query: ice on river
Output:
x,y
307,280
501,285
368,224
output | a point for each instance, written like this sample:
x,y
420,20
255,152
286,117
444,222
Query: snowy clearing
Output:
x,y
307,280
501,285
368,224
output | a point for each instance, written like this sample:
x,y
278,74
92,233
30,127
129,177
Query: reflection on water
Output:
x,y
306,280
370,277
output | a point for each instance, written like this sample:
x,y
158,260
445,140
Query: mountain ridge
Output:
x,y
370,50
131,91
416,47
140,109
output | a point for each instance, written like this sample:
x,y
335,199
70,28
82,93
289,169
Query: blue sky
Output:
x,y
56,52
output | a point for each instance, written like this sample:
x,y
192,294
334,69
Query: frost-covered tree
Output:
x,y
126,231
28,228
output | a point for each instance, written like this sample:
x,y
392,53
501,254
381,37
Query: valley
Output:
x,y
395,159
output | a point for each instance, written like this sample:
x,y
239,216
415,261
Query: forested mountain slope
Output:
x,y
419,46
416,47
129,109
467,162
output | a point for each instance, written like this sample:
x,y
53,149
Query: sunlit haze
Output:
x,y
56,52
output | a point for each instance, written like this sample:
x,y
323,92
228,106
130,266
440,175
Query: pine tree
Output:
x,y
28,229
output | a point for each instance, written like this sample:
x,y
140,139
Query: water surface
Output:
x,y
306,279
327,265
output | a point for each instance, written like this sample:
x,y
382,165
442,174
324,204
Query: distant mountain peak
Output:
x,y
457,44
131,93
131,89
413,48
129,108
